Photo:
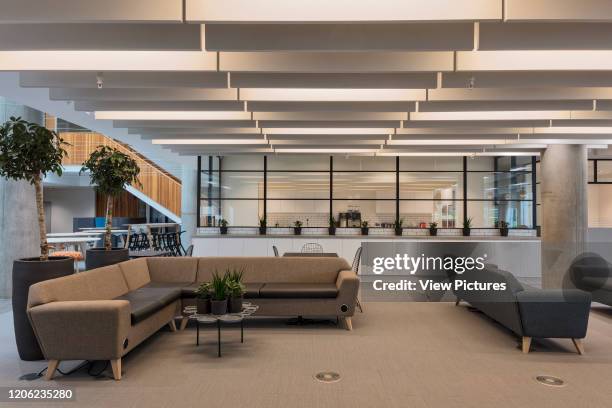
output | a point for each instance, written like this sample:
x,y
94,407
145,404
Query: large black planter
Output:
x,y
99,257
27,272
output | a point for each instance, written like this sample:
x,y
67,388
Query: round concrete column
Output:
x,y
563,175
189,199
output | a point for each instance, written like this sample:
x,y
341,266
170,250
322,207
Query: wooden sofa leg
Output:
x,y
184,322
579,346
526,344
348,323
51,369
116,366
172,325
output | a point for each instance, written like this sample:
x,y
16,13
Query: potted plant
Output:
x,y
332,225
111,171
236,290
218,302
503,228
467,226
364,228
223,226
397,224
203,298
262,226
28,152
433,229
297,227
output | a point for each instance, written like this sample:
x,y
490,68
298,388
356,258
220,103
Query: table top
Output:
x,y
73,234
72,240
312,254
248,309
102,230
147,253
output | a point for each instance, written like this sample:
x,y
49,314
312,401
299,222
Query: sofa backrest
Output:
x,y
274,269
135,272
173,269
98,284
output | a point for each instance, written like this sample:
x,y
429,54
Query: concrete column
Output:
x,y
189,196
19,236
563,175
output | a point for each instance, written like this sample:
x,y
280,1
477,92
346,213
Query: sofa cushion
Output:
x,y
172,269
251,290
598,283
147,300
135,272
298,290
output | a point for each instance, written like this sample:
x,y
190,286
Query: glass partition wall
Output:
x,y
379,190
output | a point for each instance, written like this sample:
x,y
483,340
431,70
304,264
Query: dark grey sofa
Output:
x,y
529,312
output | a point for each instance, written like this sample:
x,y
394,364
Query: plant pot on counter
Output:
x,y
466,232
504,232
433,232
365,230
262,230
99,257
297,230
331,230
218,307
398,231
235,305
27,272
203,305
223,230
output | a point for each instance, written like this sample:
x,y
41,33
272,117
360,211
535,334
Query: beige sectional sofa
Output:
x,y
104,313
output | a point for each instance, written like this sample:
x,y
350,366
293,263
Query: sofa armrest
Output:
x,y
348,288
88,330
554,313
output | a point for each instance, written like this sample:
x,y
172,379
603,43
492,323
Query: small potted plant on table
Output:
x,y
503,228
223,226
218,302
236,291
398,226
433,229
332,225
262,226
364,228
297,227
203,298
467,227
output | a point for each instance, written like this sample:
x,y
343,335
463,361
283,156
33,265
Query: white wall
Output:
x,y
68,203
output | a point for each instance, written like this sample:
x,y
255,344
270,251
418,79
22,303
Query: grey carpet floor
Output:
x,y
399,355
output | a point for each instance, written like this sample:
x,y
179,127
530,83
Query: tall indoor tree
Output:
x,y
111,170
28,151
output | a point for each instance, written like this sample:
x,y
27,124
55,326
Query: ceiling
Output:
x,y
383,77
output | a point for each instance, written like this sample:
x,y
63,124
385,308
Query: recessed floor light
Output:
x,y
550,380
327,377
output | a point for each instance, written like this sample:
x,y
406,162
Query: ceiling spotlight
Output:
x,y
471,83
100,80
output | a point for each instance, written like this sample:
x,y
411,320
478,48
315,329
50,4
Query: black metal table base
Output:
x,y
219,335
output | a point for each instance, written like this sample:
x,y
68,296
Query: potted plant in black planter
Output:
x,y
397,224
28,152
203,298
433,229
262,226
110,170
332,225
297,227
223,226
218,301
467,227
364,228
236,291
503,228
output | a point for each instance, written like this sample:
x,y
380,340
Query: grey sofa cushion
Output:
x,y
299,290
251,290
148,299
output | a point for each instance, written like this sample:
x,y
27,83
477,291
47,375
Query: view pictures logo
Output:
x,y
421,263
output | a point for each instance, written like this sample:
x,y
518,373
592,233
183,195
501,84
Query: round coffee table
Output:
x,y
247,310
